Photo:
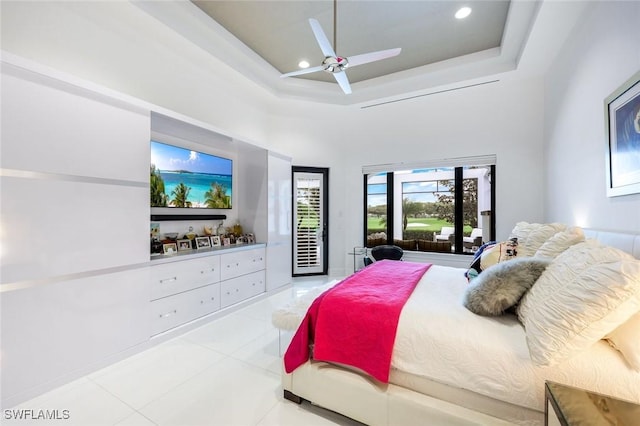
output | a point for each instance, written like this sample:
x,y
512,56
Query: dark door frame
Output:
x,y
325,214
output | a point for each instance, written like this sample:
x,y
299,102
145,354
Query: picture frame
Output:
x,y
622,127
215,241
251,239
170,248
203,243
226,241
154,230
184,245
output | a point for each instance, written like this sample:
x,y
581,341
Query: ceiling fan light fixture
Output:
x,y
303,64
333,63
463,12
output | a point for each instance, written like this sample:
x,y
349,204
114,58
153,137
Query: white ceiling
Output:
x,y
262,39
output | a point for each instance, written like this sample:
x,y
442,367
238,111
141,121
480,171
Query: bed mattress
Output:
x,y
440,340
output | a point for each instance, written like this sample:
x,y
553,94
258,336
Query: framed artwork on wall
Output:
x,y
622,126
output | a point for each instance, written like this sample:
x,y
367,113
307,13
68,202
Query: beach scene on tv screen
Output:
x,y
183,178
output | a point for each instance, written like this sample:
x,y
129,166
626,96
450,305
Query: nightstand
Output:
x,y
567,406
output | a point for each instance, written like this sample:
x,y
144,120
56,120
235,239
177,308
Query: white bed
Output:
x,y
450,366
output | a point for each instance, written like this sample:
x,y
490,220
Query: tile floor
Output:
x,y
226,372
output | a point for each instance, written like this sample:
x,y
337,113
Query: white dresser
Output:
x,y
188,287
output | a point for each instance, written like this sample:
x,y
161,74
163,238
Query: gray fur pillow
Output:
x,y
502,285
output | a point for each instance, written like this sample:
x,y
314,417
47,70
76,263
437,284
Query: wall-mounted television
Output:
x,y
182,178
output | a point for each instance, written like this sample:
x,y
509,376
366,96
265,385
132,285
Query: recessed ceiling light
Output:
x,y
303,64
463,12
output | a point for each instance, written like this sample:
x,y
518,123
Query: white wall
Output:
x,y
504,118
117,45
74,223
601,54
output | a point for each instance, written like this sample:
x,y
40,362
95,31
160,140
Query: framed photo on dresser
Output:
x,y
170,248
184,245
203,243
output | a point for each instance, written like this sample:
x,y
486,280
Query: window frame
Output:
x,y
458,193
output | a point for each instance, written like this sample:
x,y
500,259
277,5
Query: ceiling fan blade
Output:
x,y
304,71
373,56
322,39
343,81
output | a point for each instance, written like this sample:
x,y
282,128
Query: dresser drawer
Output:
x,y
242,262
238,289
178,309
168,313
177,277
204,300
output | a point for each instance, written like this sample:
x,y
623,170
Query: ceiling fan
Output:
x,y
335,64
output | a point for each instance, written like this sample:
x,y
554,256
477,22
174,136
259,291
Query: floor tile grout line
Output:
x,y
259,315
234,356
178,384
260,370
275,405
225,357
123,401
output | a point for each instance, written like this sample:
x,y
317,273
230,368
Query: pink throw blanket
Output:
x,y
355,322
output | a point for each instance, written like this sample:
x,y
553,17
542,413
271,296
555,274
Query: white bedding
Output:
x,y
440,339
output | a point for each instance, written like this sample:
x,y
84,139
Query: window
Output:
x,y
376,209
446,209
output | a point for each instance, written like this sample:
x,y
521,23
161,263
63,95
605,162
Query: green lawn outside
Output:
x,y
419,224
308,222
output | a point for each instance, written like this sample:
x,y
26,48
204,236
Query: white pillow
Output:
x,y
531,236
626,339
585,293
560,242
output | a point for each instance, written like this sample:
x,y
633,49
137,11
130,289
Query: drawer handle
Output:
x,y
168,314
168,280
202,302
237,290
